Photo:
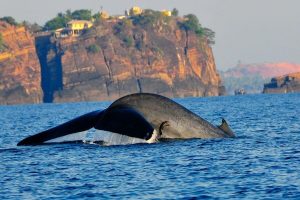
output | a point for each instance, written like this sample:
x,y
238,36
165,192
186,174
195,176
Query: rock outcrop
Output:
x,y
20,77
116,58
283,84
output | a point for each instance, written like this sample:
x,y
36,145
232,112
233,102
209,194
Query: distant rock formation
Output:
x,y
116,58
252,77
20,76
283,84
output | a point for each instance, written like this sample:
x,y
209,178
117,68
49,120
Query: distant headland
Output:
x,y
252,77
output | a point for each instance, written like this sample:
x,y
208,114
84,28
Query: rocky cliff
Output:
x,y
19,67
283,84
117,57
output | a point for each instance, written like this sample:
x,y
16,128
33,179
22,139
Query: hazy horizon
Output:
x,y
246,31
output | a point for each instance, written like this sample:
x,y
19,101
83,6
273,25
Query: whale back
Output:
x,y
182,123
125,121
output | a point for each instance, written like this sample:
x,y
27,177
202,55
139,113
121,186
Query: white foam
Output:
x,y
111,138
154,137
94,136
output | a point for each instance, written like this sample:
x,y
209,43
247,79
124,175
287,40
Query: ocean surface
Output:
x,y
262,162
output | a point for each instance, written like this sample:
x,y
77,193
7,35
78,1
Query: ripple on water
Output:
x,y
261,163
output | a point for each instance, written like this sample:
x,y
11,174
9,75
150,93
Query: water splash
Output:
x,y
109,138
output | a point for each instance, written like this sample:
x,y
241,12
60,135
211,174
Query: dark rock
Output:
x,y
283,84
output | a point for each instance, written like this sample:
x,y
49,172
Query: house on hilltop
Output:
x,y
166,13
104,15
74,28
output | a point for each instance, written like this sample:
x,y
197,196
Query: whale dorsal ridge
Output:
x,y
225,128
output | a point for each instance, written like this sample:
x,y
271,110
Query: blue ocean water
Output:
x,y
263,162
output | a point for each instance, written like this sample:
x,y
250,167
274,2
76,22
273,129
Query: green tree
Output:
x,y
191,23
97,16
59,21
175,12
9,20
82,14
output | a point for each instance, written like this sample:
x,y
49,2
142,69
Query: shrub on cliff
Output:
x,y
149,18
2,47
121,31
191,23
94,48
122,26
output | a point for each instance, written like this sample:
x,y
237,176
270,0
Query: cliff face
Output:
x,y
19,67
112,59
283,84
117,58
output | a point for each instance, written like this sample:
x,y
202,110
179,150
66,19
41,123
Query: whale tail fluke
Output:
x,y
120,120
226,129
76,125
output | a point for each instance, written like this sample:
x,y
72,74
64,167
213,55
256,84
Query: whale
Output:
x,y
134,118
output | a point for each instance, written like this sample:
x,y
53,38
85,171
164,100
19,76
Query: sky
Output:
x,y
247,31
